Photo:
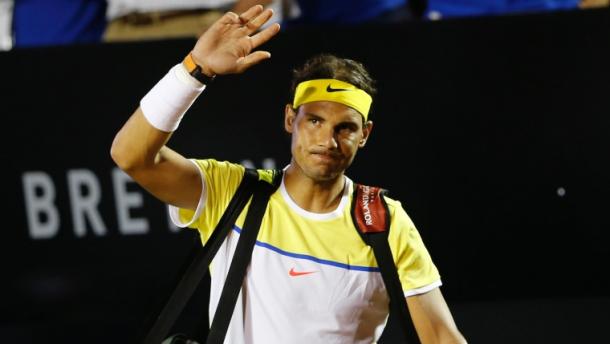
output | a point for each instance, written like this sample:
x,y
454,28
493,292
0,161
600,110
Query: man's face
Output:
x,y
325,138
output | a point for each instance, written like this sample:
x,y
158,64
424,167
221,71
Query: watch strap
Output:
x,y
195,70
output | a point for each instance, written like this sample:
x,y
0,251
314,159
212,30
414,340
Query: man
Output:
x,y
311,277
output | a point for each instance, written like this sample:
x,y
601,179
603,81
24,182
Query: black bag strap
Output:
x,y
197,269
371,217
241,259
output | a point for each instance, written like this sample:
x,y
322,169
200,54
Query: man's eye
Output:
x,y
346,128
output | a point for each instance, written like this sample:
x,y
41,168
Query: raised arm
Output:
x,y
433,320
227,47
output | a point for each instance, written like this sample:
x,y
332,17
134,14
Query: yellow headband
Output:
x,y
333,90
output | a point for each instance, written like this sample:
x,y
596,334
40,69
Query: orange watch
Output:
x,y
195,70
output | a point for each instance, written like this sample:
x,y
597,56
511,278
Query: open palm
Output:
x,y
228,45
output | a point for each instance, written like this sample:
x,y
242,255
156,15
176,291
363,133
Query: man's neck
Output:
x,y
311,195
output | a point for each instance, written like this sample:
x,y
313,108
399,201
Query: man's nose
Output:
x,y
328,138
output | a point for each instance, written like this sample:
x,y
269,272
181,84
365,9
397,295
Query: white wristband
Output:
x,y
167,102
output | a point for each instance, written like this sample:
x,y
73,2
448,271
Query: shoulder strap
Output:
x,y
371,217
241,259
197,269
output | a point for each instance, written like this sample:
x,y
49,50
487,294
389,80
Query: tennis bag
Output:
x,y
370,215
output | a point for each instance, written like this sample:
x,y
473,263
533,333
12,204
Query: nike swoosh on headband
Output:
x,y
330,89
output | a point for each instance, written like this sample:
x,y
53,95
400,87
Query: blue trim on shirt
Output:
x,y
311,258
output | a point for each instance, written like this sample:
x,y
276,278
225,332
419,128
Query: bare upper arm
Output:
x,y
174,180
432,318
139,150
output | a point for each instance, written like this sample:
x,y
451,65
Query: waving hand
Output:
x,y
227,47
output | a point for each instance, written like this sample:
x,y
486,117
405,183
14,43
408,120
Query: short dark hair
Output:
x,y
327,66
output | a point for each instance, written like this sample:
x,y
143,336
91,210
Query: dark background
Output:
x,y
479,125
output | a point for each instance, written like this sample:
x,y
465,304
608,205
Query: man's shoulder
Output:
x,y
220,175
268,175
392,202
395,207
220,170
210,163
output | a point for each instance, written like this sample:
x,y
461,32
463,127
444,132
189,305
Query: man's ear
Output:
x,y
366,132
289,116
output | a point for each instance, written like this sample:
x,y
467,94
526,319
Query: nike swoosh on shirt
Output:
x,y
299,273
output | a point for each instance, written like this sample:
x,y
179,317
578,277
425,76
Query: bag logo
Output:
x,y
371,214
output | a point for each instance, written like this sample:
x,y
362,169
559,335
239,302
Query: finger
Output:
x,y
252,59
250,13
254,24
230,18
265,35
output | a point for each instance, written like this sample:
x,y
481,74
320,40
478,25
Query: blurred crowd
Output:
x,y
27,23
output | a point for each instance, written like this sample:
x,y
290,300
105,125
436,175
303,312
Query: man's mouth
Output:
x,y
326,156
